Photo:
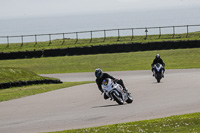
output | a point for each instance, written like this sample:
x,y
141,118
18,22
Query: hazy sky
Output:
x,y
35,8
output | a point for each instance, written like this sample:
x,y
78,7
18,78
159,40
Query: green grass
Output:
x,y
18,92
189,123
174,59
96,41
8,74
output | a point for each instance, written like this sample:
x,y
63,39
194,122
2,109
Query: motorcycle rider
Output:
x,y
158,60
100,76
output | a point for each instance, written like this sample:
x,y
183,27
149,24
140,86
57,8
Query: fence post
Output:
x,y
159,32
104,35
35,39
49,39
76,37
91,36
173,31
118,39
132,35
146,32
22,41
187,31
63,38
7,41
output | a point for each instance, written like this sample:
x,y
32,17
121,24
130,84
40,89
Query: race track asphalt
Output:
x,y
83,106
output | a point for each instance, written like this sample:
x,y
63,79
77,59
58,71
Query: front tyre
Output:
x,y
158,78
117,98
130,99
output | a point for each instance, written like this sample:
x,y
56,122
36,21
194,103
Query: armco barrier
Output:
x,y
54,52
35,54
116,48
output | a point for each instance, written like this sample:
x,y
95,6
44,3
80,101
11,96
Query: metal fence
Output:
x,y
103,34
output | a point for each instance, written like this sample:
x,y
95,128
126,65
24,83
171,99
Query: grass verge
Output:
x,y
174,59
189,123
96,41
18,92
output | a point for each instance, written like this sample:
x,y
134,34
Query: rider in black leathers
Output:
x,y
100,76
158,60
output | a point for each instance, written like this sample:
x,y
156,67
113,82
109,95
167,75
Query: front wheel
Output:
x,y
158,77
117,98
130,99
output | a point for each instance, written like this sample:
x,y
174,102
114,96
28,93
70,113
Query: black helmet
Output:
x,y
157,56
98,72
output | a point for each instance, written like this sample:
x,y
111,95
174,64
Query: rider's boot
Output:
x,y
153,73
163,74
105,96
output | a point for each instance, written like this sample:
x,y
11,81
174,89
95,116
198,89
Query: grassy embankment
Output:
x,y
15,75
189,123
96,41
10,74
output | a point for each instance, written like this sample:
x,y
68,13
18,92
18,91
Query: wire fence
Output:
x,y
101,34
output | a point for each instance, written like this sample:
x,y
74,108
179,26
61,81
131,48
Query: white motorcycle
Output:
x,y
115,92
158,72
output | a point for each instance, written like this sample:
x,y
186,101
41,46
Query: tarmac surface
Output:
x,y
83,106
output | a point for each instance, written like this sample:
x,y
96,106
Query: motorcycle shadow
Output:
x,y
106,106
157,82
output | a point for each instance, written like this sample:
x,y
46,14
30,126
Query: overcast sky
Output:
x,y
35,8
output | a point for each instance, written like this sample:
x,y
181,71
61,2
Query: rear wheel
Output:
x,y
117,98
